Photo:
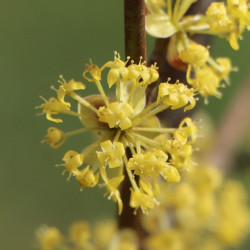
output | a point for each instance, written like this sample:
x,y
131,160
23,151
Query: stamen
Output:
x,y
53,88
41,97
128,58
59,165
140,60
115,55
63,80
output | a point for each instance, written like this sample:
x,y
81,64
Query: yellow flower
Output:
x,y
171,174
226,67
118,70
116,114
112,154
176,95
188,127
73,161
124,239
112,187
224,21
94,71
55,137
218,19
140,74
68,89
51,107
232,200
169,237
114,75
240,10
205,179
49,238
141,200
103,232
165,24
173,144
206,81
79,233
230,20
195,54
151,164
87,178
182,158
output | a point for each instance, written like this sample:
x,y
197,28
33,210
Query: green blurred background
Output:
x,y
40,40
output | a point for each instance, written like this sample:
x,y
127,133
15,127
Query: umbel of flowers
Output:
x,y
167,19
195,214
131,139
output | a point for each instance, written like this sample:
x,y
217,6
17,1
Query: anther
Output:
x,y
53,87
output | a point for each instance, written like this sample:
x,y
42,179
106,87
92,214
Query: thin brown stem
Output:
x,y
135,47
134,25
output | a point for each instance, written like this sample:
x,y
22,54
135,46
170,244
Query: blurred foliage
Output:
x,y
39,41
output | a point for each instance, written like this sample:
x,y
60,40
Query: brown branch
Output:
x,y
134,25
234,124
135,47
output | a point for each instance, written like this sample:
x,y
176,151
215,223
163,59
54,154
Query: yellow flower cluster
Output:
x,y
202,212
204,73
229,21
131,140
82,235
